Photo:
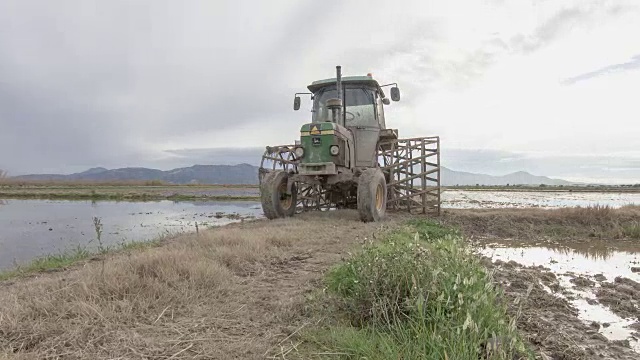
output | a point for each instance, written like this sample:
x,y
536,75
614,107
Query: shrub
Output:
x,y
419,292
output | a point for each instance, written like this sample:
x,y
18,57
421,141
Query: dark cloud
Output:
x,y
580,16
633,64
93,83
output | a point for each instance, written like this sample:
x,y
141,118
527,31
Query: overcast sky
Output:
x,y
549,87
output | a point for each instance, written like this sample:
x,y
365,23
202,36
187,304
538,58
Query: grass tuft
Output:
x,y
632,230
66,259
419,294
48,263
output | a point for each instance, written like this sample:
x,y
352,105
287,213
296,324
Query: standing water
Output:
x,y
33,228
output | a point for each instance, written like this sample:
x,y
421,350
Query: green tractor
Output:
x,y
337,151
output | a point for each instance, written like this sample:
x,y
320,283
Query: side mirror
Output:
x,y
386,101
395,94
296,103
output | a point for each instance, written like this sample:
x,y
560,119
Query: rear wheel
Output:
x,y
276,203
372,195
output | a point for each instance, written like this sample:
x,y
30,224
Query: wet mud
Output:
x,y
551,321
622,297
571,299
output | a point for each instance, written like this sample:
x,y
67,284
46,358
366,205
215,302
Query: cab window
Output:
x,y
360,106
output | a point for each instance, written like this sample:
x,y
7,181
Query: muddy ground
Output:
x,y
571,276
549,321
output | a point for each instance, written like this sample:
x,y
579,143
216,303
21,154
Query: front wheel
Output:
x,y
276,203
372,195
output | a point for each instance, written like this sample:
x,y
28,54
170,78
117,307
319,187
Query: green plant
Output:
x,y
632,230
48,262
420,294
97,226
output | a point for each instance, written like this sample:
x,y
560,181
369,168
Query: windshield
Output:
x,y
360,106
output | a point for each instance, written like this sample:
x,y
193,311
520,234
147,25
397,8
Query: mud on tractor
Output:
x,y
348,158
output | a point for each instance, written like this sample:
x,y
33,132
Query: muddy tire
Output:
x,y
275,202
372,195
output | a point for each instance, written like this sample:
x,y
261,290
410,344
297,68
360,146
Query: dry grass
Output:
x,y
225,293
576,222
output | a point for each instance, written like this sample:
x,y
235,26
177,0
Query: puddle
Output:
x,y
32,228
563,260
567,264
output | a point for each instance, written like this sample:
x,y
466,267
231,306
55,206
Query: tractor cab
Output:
x,y
347,124
362,101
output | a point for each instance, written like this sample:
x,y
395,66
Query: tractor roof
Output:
x,y
360,80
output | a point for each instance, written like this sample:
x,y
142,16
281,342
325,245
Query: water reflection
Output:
x,y
590,261
32,228
593,252
567,263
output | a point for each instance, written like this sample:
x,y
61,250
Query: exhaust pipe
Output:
x,y
340,96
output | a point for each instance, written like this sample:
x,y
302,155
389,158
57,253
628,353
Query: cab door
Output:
x,y
362,119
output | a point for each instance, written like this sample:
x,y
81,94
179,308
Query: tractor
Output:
x,y
338,149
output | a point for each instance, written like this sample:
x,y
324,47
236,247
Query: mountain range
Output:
x,y
247,174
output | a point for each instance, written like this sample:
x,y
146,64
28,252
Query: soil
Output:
x,y
549,322
622,297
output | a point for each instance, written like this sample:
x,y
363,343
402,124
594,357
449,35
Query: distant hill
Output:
x,y
199,174
452,177
248,174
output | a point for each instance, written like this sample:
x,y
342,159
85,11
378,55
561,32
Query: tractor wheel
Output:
x,y
275,202
372,195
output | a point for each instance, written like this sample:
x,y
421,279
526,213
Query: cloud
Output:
x,y
633,64
572,17
120,83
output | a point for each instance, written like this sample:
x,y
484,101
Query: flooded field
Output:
x,y
467,199
32,228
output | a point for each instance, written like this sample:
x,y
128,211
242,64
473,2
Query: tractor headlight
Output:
x,y
299,152
334,149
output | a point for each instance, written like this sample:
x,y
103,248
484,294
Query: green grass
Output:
x,y
419,294
48,263
632,230
63,260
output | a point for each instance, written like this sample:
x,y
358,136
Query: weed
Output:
x,y
419,294
52,262
49,263
632,230
97,226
